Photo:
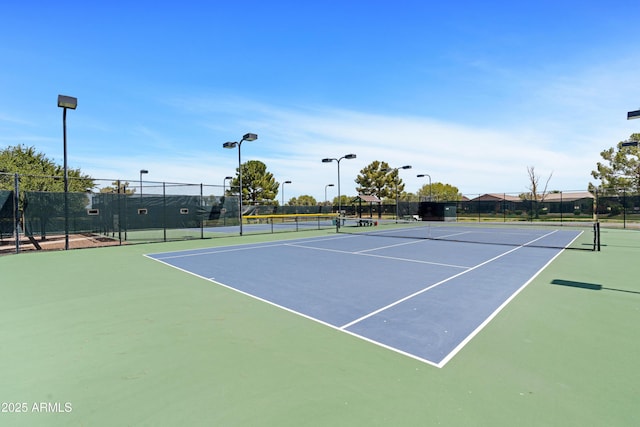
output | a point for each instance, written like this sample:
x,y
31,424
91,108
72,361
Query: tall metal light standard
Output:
x,y
66,102
325,192
233,144
630,116
286,182
397,179
224,181
142,171
329,160
422,175
632,144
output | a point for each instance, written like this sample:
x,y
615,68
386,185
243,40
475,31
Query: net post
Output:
x,y
201,205
598,236
164,211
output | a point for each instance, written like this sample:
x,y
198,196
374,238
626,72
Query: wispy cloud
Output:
x,y
294,140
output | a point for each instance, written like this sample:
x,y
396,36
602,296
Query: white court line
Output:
x,y
343,329
390,246
222,249
489,318
408,297
361,253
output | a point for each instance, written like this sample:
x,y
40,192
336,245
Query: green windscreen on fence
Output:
x,y
108,213
129,212
6,212
44,213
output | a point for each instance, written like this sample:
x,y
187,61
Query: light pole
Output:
x,y
66,102
422,175
325,192
142,171
329,160
233,144
397,179
630,116
633,144
286,182
224,181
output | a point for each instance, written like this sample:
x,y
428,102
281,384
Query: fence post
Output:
x,y
504,207
624,207
164,210
119,211
16,206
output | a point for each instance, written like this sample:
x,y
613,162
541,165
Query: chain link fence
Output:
x,y
117,212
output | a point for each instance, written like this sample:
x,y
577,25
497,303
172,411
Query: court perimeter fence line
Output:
x,y
117,212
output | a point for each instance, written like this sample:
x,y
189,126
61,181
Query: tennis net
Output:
x,y
581,236
276,223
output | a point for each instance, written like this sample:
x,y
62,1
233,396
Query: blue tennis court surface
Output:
x,y
422,298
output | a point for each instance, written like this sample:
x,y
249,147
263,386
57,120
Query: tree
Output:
x,y
258,185
440,192
409,197
343,200
534,185
374,180
38,173
121,187
534,194
44,181
621,168
304,200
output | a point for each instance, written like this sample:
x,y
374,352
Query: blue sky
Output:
x,y
471,93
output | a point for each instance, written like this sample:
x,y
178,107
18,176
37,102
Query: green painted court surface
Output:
x,y
107,337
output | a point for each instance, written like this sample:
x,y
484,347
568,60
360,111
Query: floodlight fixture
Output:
x,y
229,144
630,144
633,115
67,102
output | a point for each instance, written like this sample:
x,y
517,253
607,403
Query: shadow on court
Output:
x,y
590,286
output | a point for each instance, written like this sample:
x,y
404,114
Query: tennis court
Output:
x,y
110,336
422,297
